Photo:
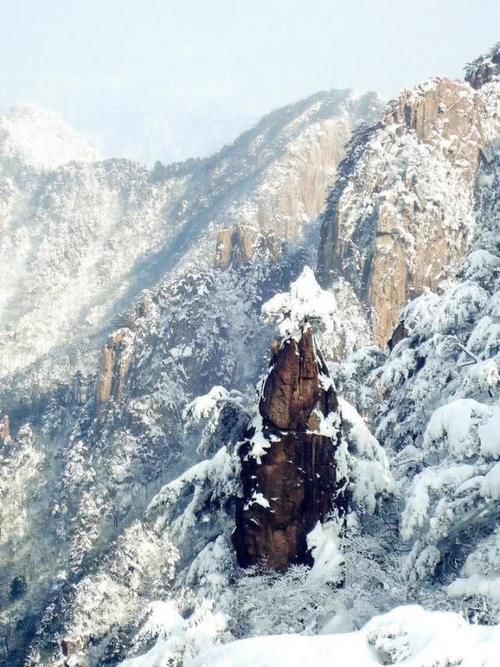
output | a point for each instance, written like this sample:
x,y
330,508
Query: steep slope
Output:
x,y
118,563
401,215
102,443
434,403
119,487
33,138
81,240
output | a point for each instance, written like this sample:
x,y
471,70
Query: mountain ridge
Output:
x,y
86,216
119,490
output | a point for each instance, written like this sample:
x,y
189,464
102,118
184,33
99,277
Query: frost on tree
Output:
x,y
289,471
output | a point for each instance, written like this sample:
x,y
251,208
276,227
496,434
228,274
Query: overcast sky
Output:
x,y
169,79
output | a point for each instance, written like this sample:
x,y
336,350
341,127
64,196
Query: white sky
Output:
x,y
170,79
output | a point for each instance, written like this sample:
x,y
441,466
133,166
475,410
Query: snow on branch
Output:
x,y
305,302
214,479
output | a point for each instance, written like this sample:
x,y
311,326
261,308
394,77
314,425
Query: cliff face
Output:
x,y
292,190
115,363
401,214
289,472
444,371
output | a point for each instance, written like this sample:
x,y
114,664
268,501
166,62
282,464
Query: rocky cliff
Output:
x,y
289,472
401,214
116,521
115,363
434,401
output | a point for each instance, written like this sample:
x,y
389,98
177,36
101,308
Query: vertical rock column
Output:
x,y
4,429
115,365
289,473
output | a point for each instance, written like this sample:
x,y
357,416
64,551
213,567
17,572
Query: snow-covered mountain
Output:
x,y
433,403
133,343
32,138
82,238
401,216
83,242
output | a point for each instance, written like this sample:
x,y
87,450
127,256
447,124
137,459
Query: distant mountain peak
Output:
x,y
42,139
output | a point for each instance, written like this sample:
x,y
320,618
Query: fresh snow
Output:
x,y
455,422
258,499
260,443
325,544
305,302
366,463
338,319
407,636
489,436
490,487
42,139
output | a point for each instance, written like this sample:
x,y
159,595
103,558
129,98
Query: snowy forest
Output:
x,y
250,402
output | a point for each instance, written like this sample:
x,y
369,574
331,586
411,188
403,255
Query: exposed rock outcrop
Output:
x,y
289,471
238,246
444,110
401,214
234,246
114,367
4,429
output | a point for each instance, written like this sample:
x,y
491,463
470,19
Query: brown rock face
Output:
x,y
289,191
292,390
239,245
295,483
234,247
115,365
401,214
4,429
442,110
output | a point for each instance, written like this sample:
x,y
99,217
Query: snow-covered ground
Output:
x,y
407,636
